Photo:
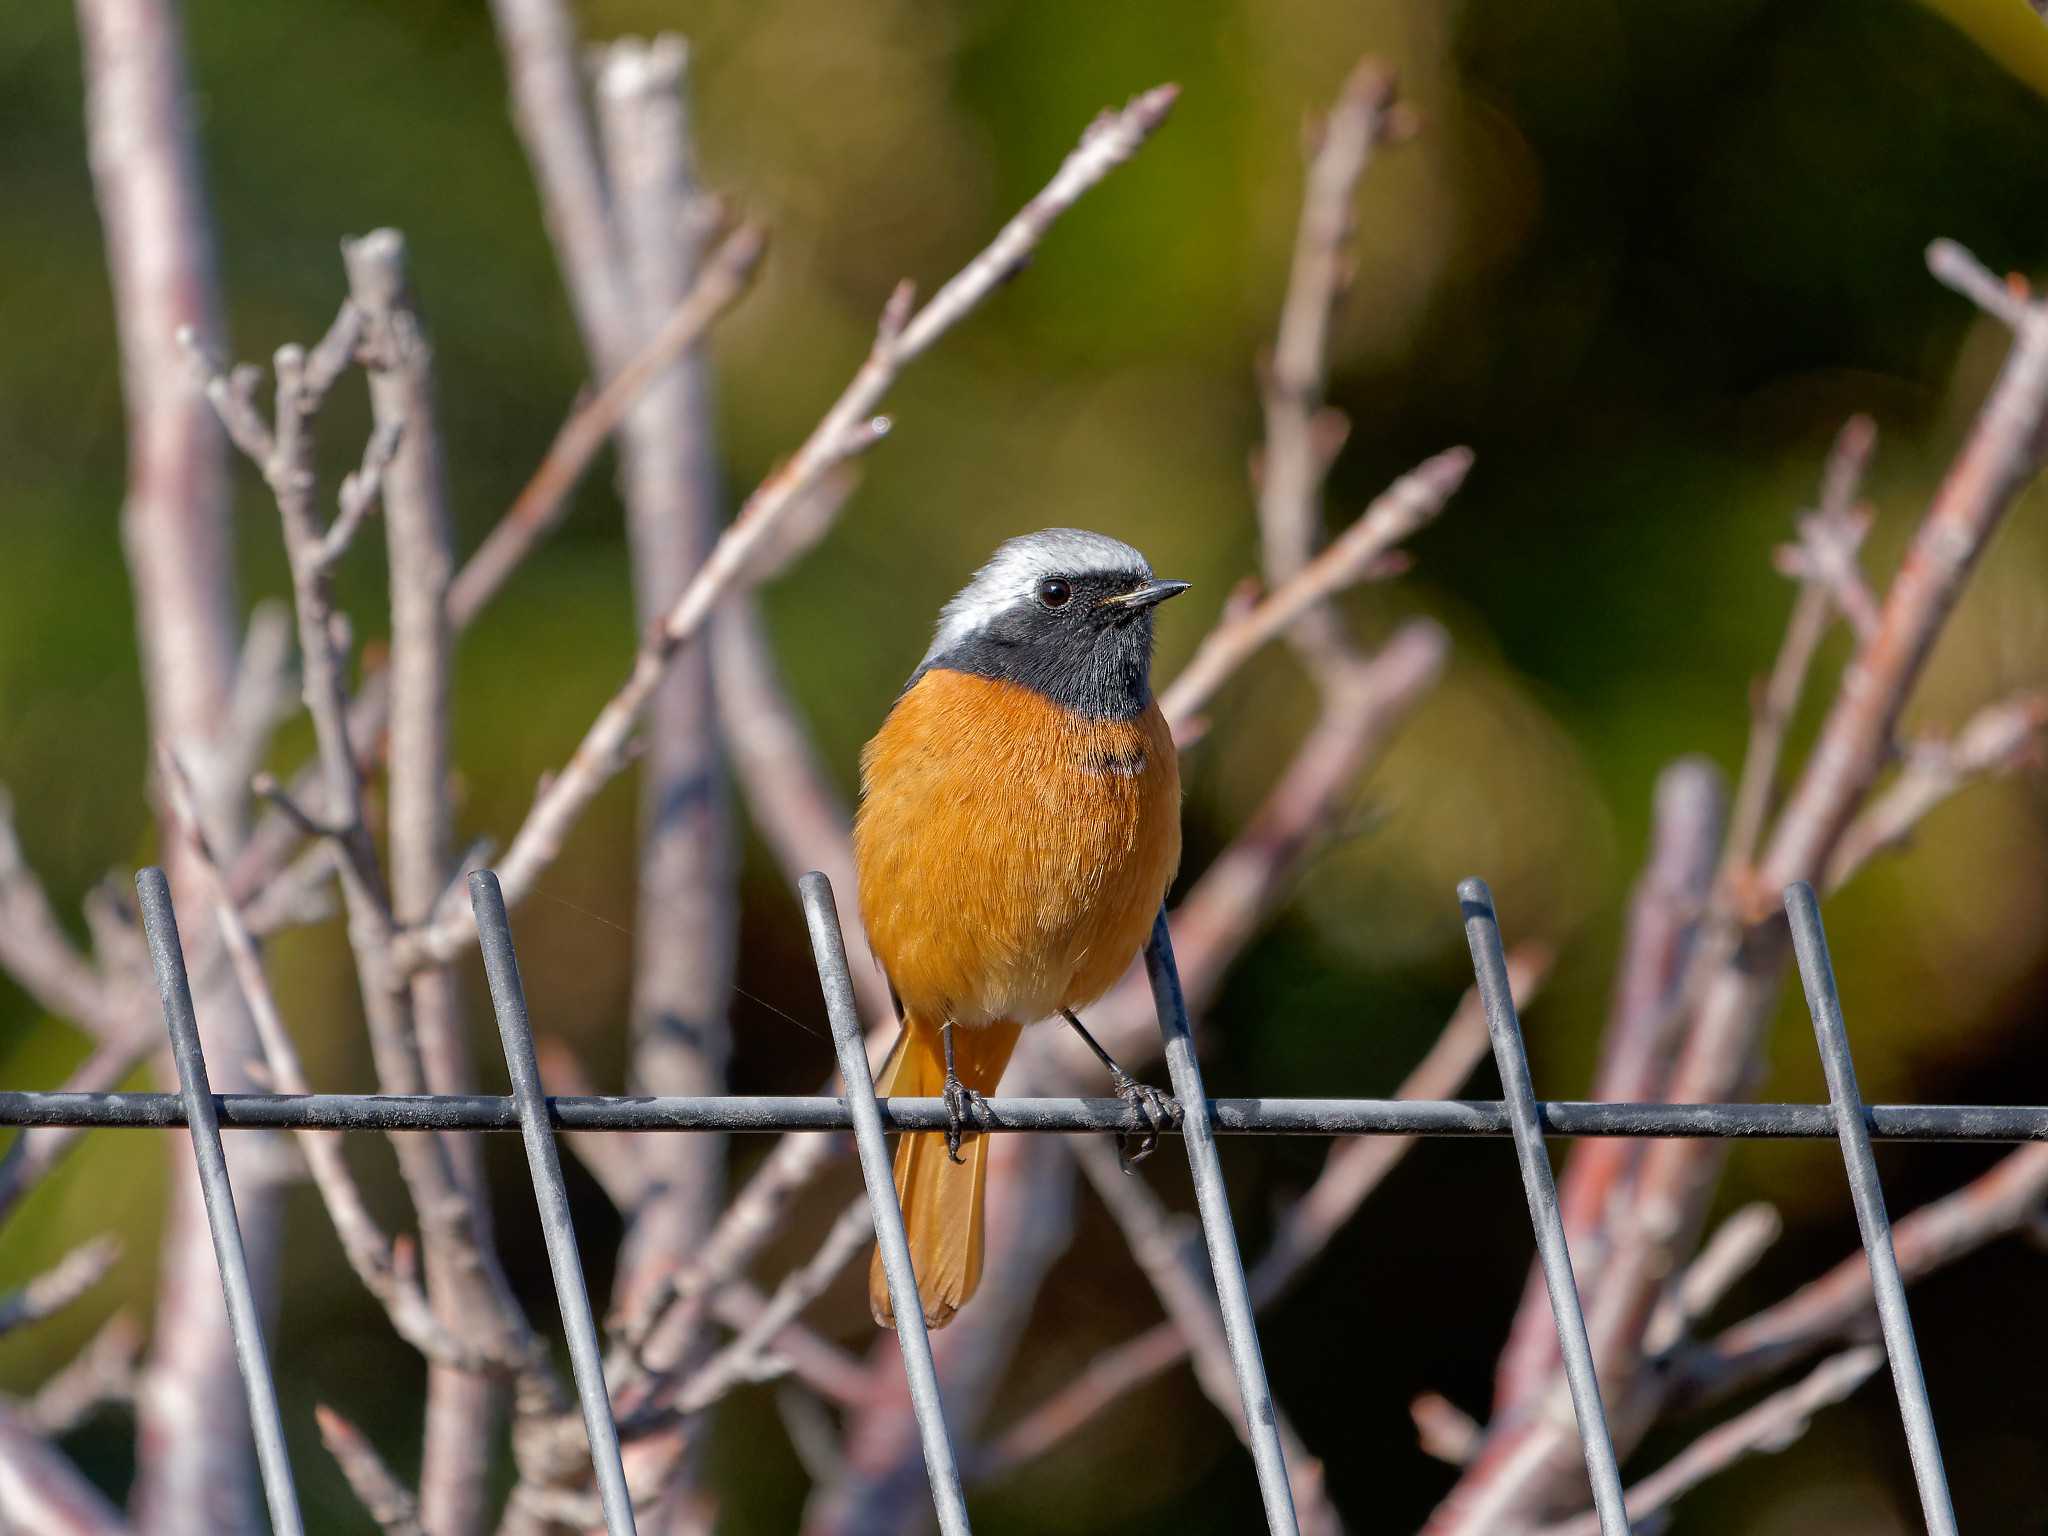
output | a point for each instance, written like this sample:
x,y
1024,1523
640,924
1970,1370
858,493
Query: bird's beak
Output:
x,y
1147,596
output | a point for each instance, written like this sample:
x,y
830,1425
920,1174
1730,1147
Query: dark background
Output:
x,y
1644,258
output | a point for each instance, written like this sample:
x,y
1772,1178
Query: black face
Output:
x,y
1084,641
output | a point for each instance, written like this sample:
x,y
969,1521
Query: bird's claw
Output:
x,y
963,1105
1151,1112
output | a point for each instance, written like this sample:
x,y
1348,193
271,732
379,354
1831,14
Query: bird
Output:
x,y
1018,827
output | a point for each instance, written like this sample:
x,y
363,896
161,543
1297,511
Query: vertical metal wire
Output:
x,y
245,1323
551,1194
1824,1002
828,944
1225,1263
1490,969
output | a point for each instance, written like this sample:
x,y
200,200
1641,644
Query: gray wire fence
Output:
x,y
1520,1115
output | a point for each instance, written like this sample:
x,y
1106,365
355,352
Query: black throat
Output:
x,y
1098,665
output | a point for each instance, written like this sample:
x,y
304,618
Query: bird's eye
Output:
x,y
1054,593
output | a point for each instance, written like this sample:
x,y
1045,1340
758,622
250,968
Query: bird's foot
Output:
x,y
1151,1112
963,1105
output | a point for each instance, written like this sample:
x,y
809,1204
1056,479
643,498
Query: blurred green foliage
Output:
x,y
1644,257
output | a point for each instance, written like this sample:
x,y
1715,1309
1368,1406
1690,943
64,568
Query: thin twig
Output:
x,y
369,1252
1352,1171
1732,1252
56,1288
41,1491
1528,1463
462,1407
1302,433
1778,698
102,1373
37,953
651,1342
457,1252
266,692
1998,739
2003,1200
829,1370
376,1486
1826,557
791,799
1403,508
751,1356
32,1154
1363,707
1955,267
1770,1426
1644,1020
540,504
1443,1430
1166,1251
845,431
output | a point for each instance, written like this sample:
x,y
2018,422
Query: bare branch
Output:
x,y
33,1153
266,787
37,953
1732,1252
2002,453
55,1289
1770,1426
614,1161
1955,267
825,1368
1826,557
1444,1430
265,695
41,1491
751,1356
1997,739
1407,505
194,1473
1639,1045
376,1487
539,42
462,1407
1165,1251
651,1341
1741,969
480,1305
791,798
1355,1168
1997,1203
1364,705
1756,787
103,1372
1111,140
1302,434
370,1253
723,278
1352,1171
686,886
360,490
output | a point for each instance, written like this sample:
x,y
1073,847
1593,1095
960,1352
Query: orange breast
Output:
x,y
1011,855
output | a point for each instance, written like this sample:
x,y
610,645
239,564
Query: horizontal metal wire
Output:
x,y
1233,1117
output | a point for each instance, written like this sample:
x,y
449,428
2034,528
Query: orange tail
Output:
x,y
941,1198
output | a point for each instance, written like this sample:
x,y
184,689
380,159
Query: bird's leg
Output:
x,y
962,1102
1151,1110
